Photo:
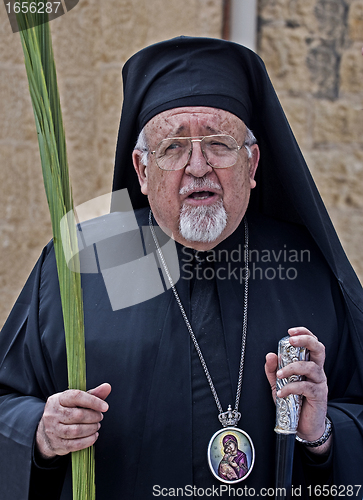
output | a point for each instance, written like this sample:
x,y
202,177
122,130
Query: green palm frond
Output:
x,y
41,72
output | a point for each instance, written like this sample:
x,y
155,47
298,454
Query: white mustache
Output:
x,y
202,184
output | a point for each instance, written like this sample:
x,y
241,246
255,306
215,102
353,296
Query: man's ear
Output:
x,y
141,170
253,163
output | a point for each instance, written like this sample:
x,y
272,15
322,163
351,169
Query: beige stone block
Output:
x,y
21,246
340,121
349,224
24,217
17,118
105,176
322,64
7,300
90,43
24,243
107,139
79,105
10,46
209,18
128,26
303,13
285,55
330,15
14,199
339,177
169,22
76,38
355,20
84,168
196,18
101,181
124,26
273,10
109,112
351,70
22,195
110,91
291,13
296,110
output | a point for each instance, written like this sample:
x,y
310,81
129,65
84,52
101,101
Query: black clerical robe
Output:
x,y
161,411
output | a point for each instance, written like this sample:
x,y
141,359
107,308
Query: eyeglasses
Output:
x,y
219,151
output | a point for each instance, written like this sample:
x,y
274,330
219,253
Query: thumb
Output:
x,y
101,391
270,370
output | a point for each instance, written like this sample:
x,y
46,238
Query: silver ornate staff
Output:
x,y
287,419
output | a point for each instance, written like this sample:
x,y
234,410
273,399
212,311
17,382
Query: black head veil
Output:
x,y
188,71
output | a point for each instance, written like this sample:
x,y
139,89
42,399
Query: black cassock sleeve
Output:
x,y
25,385
31,370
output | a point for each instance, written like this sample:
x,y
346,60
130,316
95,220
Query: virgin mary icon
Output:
x,y
231,455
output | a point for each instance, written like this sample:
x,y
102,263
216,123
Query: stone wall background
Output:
x,y
313,52
312,49
91,44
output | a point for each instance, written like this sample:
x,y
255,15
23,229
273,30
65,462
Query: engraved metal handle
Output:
x,y
288,409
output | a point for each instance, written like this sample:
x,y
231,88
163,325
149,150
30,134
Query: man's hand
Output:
x,y
314,387
71,421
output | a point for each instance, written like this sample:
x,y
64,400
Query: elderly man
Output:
x,y
208,129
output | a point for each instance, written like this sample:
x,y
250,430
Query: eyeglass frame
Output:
x,y
200,139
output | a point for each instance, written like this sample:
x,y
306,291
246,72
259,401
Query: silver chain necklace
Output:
x,y
223,465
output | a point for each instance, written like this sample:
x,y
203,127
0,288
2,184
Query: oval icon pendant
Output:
x,y
231,455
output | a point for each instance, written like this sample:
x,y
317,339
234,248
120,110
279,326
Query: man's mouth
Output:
x,y
201,195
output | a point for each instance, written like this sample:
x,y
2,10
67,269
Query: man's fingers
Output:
x,y
308,369
78,431
71,420
314,387
302,337
75,398
69,416
102,391
271,364
65,446
55,438
311,343
314,393
270,370
301,330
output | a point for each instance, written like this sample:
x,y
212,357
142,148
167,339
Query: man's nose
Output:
x,y
197,164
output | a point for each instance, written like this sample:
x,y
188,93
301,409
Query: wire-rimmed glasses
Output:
x,y
219,151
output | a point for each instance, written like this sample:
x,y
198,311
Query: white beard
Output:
x,y
203,223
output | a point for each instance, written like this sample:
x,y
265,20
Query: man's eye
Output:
x,y
174,145
172,148
218,145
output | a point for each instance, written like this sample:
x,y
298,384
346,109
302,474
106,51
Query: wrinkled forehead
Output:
x,y
194,121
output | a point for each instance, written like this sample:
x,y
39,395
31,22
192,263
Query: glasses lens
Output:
x,y
221,151
172,153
